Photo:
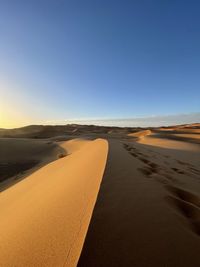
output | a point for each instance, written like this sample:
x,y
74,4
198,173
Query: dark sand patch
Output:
x,y
11,169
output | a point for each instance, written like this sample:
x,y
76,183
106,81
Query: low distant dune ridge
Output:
x,y
44,218
140,134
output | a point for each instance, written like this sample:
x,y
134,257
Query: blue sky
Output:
x,y
98,59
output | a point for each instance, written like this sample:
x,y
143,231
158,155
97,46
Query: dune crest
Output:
x,y
174,141
140,134
74,145
44,218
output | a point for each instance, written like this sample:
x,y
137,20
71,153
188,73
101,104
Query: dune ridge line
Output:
x,y
45,217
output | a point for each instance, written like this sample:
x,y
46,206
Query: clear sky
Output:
x,y
98,59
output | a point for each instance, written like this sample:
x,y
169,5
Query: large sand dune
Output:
x,y
147,212
148,208
44,218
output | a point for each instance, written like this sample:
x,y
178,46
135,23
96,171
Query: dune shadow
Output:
x,y
188,204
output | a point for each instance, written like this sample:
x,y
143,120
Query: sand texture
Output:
x,y
44,218
117,197
19,157
148,209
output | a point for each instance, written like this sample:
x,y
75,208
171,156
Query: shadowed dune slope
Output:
x,y
44,218
20,157
147,213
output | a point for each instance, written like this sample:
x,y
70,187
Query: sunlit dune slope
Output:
x,y
140,134
20,157
73,145
44,218
169,142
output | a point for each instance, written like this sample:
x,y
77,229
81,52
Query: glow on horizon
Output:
x,y
11,114
11,119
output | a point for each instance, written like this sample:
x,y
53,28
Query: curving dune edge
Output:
x,y
140,134
45,217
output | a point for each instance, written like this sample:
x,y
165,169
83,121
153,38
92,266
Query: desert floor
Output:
x,y
115,199
147,212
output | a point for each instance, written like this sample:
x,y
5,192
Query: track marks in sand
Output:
x,y
178,170
150,169
189,167
133,151
167,168
188,204
185,202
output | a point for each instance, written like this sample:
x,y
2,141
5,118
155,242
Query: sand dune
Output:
x,y
147,211
20,157
73,145
44,218
180,130
13,149
140,134
168,143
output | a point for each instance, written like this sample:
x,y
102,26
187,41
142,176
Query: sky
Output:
x,y
90,60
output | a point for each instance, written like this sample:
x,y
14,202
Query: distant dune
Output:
x,y
140,134
47,131
74,130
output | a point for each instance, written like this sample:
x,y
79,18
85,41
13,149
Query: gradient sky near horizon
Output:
x,y
101,59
